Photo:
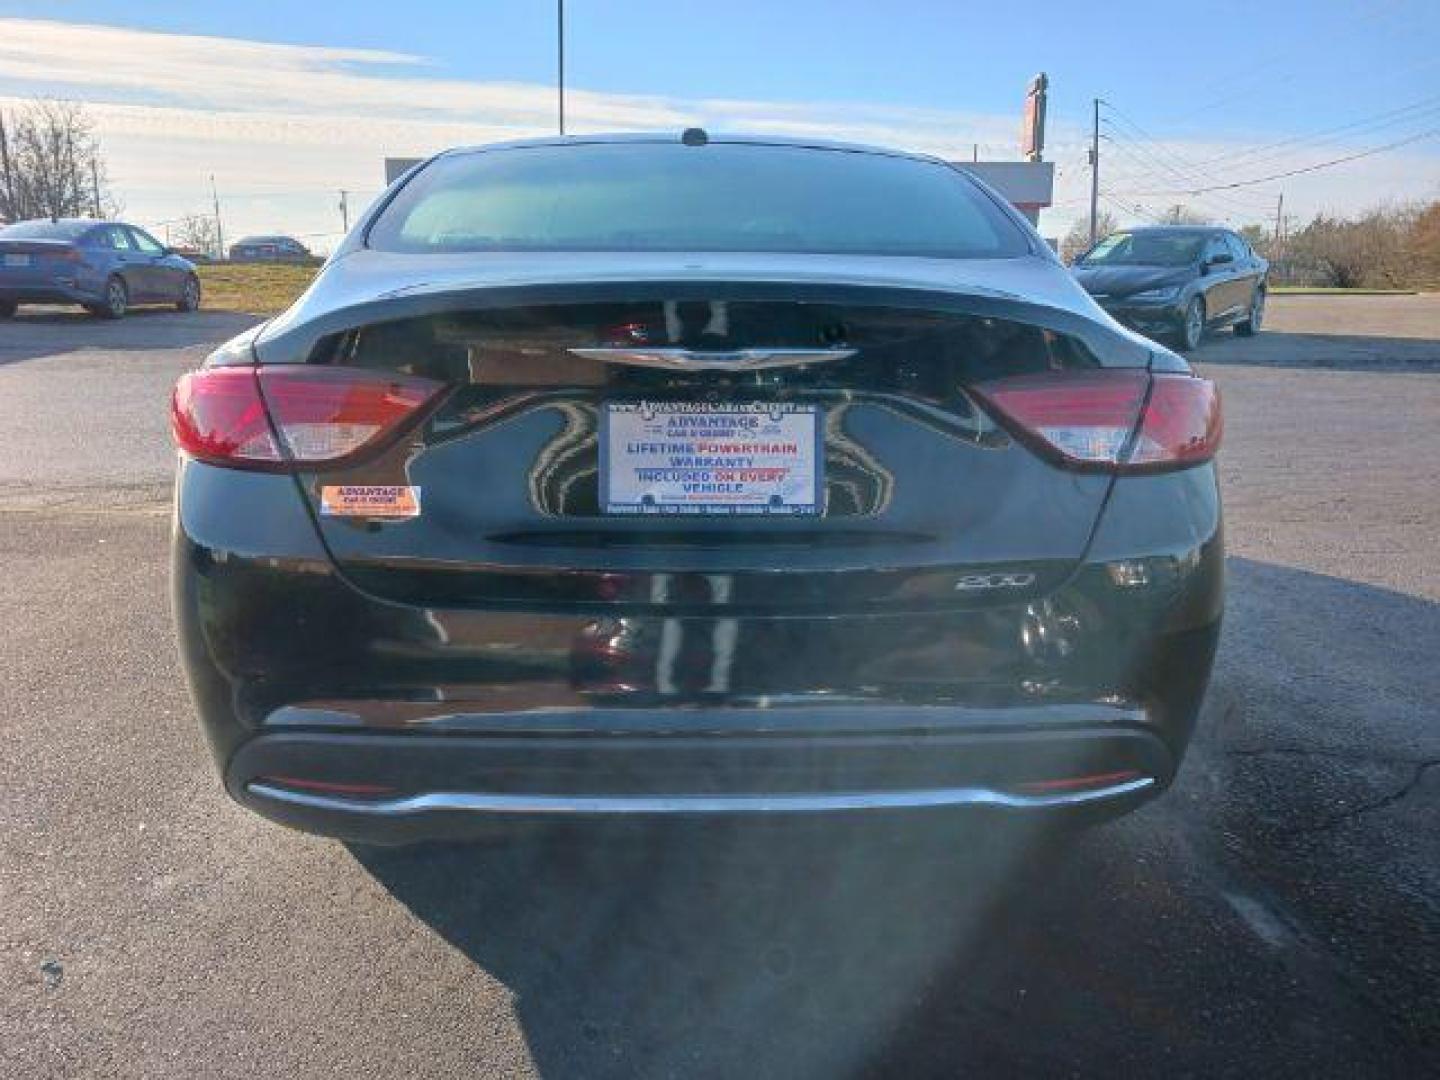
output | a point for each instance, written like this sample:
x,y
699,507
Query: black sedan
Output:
x,y
1177,281
644,476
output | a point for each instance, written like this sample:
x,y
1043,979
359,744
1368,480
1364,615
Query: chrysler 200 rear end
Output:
x,y
639,476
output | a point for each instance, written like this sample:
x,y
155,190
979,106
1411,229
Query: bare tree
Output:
x,y
1258,237
51,163
1377,249
1077,240
1425,244
197,232
1180,214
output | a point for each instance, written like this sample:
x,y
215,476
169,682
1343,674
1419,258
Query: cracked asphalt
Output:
x,y
1277,913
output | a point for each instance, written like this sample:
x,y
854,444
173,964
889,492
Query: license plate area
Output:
x,y
711,458
17,260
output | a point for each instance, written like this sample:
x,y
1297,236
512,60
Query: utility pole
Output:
x,y
1279,217
95,185
560,65
7,197
219,229
344,211
1095,174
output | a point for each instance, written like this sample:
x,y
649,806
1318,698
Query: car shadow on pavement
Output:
x,y
1338,352
717,950
34,333
1235,926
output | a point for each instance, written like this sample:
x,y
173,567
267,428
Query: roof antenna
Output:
x,y
694,137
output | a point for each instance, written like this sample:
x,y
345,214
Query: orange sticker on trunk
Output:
x,y
370,500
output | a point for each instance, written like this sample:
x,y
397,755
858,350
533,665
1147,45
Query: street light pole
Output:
x,y
1095,174
560,66
219,229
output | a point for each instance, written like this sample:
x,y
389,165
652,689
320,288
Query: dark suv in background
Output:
x,y
1177,281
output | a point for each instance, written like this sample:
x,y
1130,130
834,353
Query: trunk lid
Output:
x,y
920,498
35,262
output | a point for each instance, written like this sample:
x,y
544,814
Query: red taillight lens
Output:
x,y
217,415
325,415
1117,420
1182,424
292,415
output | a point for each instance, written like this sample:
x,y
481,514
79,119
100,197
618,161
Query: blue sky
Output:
x,y
1212,81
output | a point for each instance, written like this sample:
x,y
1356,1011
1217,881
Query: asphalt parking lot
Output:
x,y
1277,913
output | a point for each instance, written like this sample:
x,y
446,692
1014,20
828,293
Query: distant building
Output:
x,y
396,167
1028,185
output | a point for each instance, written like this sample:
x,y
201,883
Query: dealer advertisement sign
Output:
x,y
678,457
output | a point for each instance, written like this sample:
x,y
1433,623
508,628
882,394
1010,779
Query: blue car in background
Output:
x,y
105,266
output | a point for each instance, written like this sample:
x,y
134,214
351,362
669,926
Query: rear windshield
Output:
x,y
45,230
717,197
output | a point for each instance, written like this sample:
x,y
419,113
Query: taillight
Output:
x,y
217,415
288,416
1121,420
1182,424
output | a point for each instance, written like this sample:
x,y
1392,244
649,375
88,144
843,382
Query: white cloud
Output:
x,y
283,127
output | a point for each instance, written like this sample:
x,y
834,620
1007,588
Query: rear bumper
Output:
x,y
406,788
405,722
46,294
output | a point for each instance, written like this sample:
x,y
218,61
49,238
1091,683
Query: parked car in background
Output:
x,y
107,267
269,249
648,476
198,256
1177,281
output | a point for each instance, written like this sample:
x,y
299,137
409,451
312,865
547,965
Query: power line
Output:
x,y
1224,204
1151,158
1227,211
1295,172
1389,118
1190,169
1135,211
1263,69
1240,203
1355,73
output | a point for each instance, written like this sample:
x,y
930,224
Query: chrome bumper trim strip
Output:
x,y
639,805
